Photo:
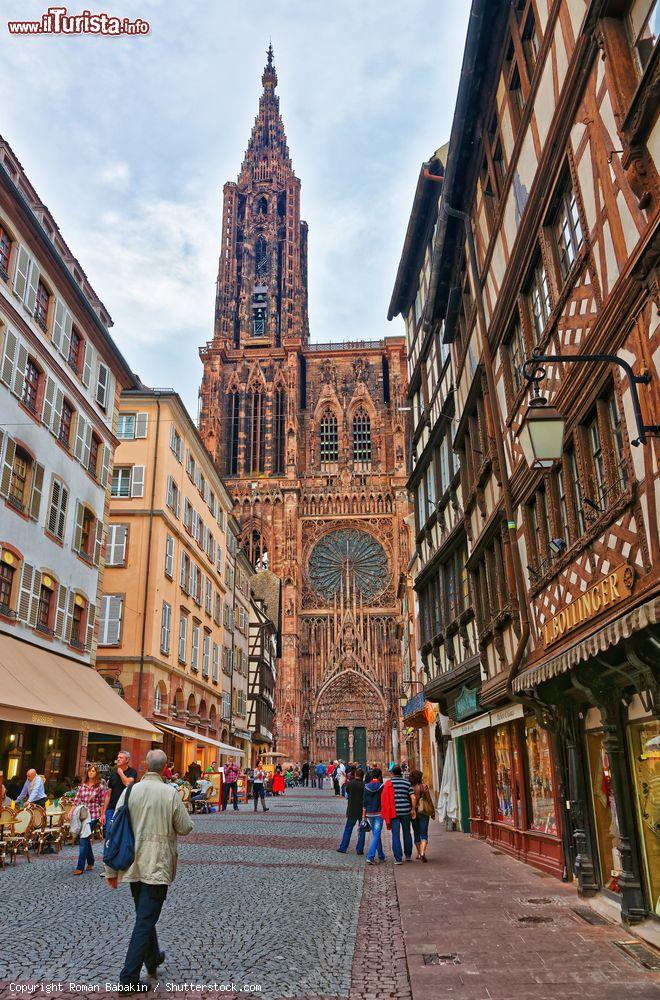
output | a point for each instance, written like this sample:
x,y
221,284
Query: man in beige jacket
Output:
x,y
157,816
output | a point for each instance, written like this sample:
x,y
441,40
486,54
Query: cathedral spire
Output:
x,y
269,78
268,138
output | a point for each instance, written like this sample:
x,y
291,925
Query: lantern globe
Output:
x,y
541,434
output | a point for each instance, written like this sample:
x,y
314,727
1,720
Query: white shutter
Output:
x,y
58,325
58,403
19,370
169,556
91,615
88,362
49,396
102,385
87,444
98,541
79,446
25,592
111,616
69,616
34,600
170,492
61,611
183,575
178,504
137,481
165,629
66,334
183,637
22,270
7,467
77,532
141,421
59,497
105,465
32,286
37,490
8,358
115,554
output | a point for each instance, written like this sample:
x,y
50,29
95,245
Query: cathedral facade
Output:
x,y
310,441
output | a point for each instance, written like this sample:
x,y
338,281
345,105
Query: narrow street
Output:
x,y
280,909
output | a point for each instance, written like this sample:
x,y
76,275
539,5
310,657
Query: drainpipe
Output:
x,y
497,423
147,574
233,643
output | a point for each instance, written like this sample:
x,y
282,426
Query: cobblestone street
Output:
x,y
292,916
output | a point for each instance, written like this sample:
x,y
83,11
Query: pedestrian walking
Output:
x,y
304,774
401,822
335,777
371,811
157,816
423,811
91,795
230,785
354,808
312,774
120,778
341,778
259,787
321,771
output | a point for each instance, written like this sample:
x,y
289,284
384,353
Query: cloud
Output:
x,y
116,174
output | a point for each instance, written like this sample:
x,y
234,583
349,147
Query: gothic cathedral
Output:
x,y
310,440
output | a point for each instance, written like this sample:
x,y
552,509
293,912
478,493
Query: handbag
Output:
x,y
365,825
425,805
119,848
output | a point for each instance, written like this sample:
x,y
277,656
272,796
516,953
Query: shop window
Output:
x,y
478,756
504,778
5,253
606,818
30,394
541,787
7,574
645,757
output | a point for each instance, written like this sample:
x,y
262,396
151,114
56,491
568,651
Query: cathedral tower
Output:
x,y
310,441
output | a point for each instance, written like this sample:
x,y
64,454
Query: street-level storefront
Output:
x,y
189,747
57,713
603,696
512,785
420,747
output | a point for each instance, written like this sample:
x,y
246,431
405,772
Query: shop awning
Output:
x,y
40,688
188,734
598,642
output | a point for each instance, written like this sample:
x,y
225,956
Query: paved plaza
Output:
x,y
265,901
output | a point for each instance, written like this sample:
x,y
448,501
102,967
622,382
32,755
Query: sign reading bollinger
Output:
x,y
612,589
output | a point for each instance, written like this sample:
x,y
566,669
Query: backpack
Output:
x,y
119,848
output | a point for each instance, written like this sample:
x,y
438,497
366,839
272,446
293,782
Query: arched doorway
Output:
x,y
349,720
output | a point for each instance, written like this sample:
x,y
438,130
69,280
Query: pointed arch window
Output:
x,y
256,549
329,439
261,261
255,431
262,206
361,437
279,430
231,450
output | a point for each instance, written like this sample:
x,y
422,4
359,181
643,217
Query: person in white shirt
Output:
x,y
33,790
259,787
201,789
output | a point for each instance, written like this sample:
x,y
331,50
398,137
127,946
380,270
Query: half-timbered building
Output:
x,y
547,241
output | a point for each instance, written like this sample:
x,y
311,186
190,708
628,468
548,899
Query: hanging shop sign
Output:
x,y
609,591
467,703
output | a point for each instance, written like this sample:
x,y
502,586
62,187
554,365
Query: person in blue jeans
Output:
x,y
373,791
354,813
321,771
423,811
400,824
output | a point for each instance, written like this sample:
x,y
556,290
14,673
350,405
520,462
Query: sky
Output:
x,y
128,141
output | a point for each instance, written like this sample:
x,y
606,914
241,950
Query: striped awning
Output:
x,y
598,642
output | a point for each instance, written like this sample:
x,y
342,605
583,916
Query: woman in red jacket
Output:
x,y
278,781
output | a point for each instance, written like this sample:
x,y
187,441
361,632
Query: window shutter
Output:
x,y
169,555
57,513
49,396
183,577
19,370
69,616
91,616
137,481
170,492
34,600
61,611
102,380
7,468
88,361
111,616
58,326
178,505
116,545
32,285
77,534
87,444
165,628
21,276
58,403
37,490
105,466
79,445
8,358
141,421
66,334
25,592
98,541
